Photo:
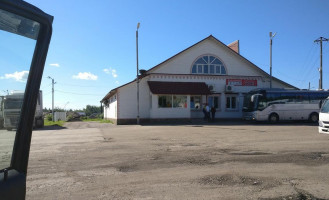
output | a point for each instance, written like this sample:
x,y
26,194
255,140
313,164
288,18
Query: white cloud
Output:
x,y
85,76
17,76
117,82
54,64
111,71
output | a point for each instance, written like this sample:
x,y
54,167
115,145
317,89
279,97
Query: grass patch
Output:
x,y
97,120
51,123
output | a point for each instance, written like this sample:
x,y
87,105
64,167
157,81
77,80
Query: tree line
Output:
x,y
88,110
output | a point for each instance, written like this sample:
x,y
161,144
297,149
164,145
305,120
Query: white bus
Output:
x,y
324,117
280,104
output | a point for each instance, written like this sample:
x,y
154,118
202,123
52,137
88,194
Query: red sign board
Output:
x,y
241,82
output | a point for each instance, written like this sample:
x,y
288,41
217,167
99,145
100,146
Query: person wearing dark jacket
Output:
x,y
213,111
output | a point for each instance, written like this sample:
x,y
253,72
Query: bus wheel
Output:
x,y
274,118
314,117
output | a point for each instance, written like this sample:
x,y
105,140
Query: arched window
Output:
x,y
208,65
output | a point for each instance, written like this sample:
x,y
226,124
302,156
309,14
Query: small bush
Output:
x,y
83,118
49,117
69,118
51,123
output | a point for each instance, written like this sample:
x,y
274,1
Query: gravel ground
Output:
x,y
90,160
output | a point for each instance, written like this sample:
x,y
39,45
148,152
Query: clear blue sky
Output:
x,y
97,40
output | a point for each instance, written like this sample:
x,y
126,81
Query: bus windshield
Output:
x,y
248,104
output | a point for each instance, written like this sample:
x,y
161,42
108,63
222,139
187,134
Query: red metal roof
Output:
x,y
192,88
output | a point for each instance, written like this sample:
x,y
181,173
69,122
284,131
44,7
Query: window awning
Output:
x,y
188,88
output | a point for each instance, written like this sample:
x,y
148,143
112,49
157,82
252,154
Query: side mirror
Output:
x,y
252,99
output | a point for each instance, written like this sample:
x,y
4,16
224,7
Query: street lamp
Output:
x,y
271,37
137,72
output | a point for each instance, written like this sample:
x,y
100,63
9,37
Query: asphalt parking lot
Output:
x,y
203,161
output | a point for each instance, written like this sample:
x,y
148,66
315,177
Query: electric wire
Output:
x,y
307,66
60,91
89,86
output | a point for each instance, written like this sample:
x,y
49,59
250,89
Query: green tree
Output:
x,y
58,109
92,109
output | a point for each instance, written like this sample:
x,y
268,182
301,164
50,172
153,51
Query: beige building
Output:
x,y
207,72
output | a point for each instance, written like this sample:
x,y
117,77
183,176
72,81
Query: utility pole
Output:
x,y
271,37
52,107
137,72
320,69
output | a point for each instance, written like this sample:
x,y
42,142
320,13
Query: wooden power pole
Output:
x,y
320,69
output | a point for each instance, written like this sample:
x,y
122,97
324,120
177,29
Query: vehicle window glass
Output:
x,y
18,39
325,107
261,103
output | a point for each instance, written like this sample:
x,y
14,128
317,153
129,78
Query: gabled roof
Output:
x,y
229,49
113,91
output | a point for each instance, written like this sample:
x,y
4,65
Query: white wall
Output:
x,y
181,64
110,112
157,112
59,116
128,100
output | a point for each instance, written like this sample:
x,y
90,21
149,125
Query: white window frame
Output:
x,y
172,101
230,96
208,64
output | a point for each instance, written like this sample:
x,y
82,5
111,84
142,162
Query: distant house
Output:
x,y
207,72
81,114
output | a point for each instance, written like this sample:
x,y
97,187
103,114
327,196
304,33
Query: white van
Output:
x,y
324,117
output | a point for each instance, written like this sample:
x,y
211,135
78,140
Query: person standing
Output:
x,y
213,111
204,112
208,112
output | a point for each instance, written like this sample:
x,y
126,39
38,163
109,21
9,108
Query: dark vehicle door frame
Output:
x,y
13,179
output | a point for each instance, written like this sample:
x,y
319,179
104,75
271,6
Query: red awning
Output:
x,y
192,88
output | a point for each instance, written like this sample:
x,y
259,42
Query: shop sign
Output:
x,y
241,82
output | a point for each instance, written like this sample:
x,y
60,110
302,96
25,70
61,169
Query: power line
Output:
x,y
311,67
79,93
288,76
90,86
308,58
47,93
308,64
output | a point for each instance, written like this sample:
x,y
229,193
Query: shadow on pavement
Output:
x,y
52,127
226,122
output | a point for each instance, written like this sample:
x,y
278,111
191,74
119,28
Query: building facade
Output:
x,y
178,88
